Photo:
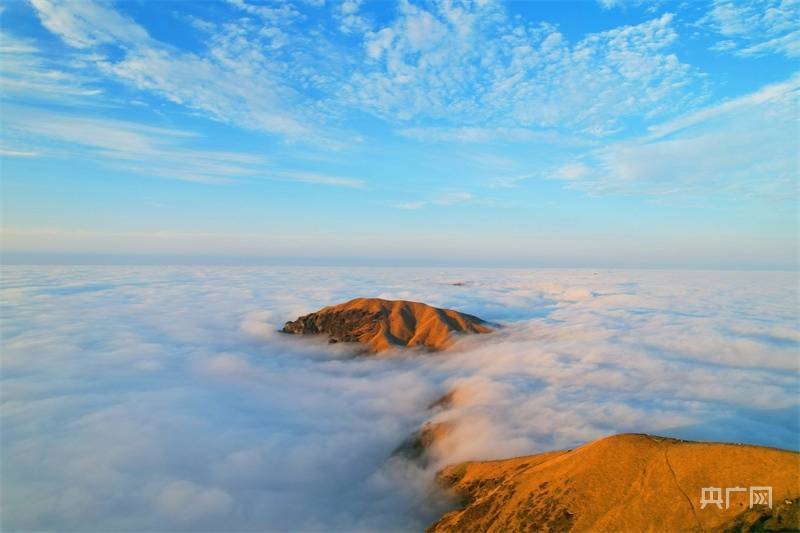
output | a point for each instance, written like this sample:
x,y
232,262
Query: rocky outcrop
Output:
x,y
382,324
431,439
445,401
417,446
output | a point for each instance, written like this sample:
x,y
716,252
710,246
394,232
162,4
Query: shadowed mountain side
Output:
x,y
382,324
418,445
626,482
446,400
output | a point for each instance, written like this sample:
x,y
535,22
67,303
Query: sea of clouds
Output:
x,y
164,399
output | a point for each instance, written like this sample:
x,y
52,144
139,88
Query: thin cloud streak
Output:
x,y
745,146
144,149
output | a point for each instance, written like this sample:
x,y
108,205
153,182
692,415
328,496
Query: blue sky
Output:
x,y
610,133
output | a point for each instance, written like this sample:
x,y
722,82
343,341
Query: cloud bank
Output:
x,y
139,398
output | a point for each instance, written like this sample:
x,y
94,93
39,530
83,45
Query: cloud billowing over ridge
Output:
x,y
163,398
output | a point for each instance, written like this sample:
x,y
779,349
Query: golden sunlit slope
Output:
x,y
382,324
625,482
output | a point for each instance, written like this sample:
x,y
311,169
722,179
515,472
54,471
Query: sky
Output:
x,y
153,398
616,133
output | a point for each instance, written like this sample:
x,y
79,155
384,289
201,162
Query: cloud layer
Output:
x,y
480,65
464,64
163,398
745,146
755,28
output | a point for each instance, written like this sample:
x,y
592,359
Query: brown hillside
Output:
x,y
625,483
382,324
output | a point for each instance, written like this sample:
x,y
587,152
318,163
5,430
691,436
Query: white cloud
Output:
x,y
454,197
199,415
270,14
755,27
478,72
4,152
322,179
186,502
142,149
743,105
242,78
743,146
30,73
86,24
652,6
480,66
411,205
511,181
476,134
443,199
571,171
126,145
212,85
350,20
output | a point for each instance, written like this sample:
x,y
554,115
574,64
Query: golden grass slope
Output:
x,y
382,324
628,482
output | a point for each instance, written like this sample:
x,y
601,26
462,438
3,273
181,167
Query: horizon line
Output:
x,y
111,259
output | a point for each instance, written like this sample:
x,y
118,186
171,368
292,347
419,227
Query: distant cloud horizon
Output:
x,y
716,263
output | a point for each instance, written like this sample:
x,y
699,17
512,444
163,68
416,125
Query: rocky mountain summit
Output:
x,y
382,324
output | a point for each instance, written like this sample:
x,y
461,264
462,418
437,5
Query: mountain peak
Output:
x,y
382,324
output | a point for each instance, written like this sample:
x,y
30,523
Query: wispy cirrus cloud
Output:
x,y
142,149
73,84
245,82
88,24
447,198
126,145
744,146
571,171
755,27
30,73
411,205
478,134
321,179
5,152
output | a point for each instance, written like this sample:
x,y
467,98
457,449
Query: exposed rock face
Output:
x,y
625,483
417,446
445,401
382,324
431,438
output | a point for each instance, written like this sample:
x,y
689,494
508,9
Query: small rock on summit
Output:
x,y
383,324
